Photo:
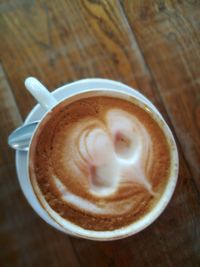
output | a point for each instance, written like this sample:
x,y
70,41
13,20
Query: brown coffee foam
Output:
x,y
48,156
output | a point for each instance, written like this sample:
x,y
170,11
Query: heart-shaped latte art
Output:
x,y
110,157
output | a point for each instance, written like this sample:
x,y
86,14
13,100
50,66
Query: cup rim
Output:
x,y
159,207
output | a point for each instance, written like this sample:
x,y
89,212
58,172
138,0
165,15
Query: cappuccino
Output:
x,y
100,162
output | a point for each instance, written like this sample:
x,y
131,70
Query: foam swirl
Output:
x,y
109,157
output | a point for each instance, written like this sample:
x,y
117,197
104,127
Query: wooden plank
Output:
x,y
67,40
168,35
25,240
61,41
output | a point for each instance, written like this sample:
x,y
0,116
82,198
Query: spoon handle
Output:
x,y
40,93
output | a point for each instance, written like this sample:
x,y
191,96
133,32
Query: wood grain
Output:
x,y
150,45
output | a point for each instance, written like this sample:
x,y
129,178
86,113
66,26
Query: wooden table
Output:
x,y
150,45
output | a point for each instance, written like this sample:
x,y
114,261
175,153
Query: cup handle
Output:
x,y
40,93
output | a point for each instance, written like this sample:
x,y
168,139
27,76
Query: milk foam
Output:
x,y
109,155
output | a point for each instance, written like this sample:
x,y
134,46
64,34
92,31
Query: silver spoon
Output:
x,y
20,138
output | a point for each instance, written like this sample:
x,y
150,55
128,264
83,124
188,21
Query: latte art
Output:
x,y
103,164
112,153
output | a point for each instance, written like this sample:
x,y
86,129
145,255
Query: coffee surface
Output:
x,y
99,162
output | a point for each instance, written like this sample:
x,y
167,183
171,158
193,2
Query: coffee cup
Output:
x,y
118,91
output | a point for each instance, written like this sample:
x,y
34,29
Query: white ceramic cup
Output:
x,y
81,90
